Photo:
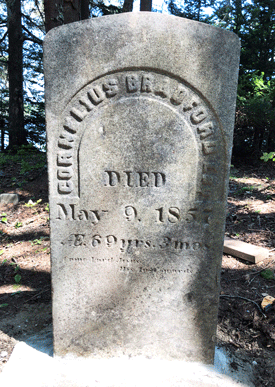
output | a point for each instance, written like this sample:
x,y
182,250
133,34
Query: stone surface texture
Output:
x,y
140,111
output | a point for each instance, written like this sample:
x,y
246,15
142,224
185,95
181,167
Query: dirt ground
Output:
x,y
25,287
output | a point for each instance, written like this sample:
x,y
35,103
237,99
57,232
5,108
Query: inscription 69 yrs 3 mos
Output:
x,y
110,241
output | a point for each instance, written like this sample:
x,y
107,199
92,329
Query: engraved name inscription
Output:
x,y
140,84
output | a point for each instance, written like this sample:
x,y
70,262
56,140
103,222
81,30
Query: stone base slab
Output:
x,y
28,367
245,250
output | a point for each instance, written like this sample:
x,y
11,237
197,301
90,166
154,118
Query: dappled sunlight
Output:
x,y
251,210
34,237
15,289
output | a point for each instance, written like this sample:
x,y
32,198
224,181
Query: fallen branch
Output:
x,y
42,291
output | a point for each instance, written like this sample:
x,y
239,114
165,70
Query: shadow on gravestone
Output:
x,y
140,114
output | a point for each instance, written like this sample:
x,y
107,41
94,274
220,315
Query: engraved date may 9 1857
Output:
x,y
160,215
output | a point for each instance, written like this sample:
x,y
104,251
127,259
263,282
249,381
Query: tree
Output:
x,y
4,92
254,22
17,134
255,119
146,5
258,39
229,14
58,12
192,9
128,6
53,14
21,32
22,27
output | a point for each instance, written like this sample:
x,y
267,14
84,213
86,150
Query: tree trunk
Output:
x,y
146,5
17,134
128,6
72,11
53,13
2,139
58,12
84,9
257,141
238,19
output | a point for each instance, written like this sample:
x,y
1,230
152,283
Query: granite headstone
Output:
x,y
140,113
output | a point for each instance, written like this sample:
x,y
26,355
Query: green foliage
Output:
x,y
4,218
247,189
253,21
16,268
32,204
22,156
37,241
267,274
242,190
193,9
17,278
27,166
268,156
30,161
4,158
258,38
18,224
255,117
35,122
255,120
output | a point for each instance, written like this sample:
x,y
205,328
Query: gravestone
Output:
x,y
140,113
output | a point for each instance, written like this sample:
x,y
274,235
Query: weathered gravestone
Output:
x,y
140,111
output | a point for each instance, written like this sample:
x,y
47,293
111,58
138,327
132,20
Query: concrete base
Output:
x,y
29,367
